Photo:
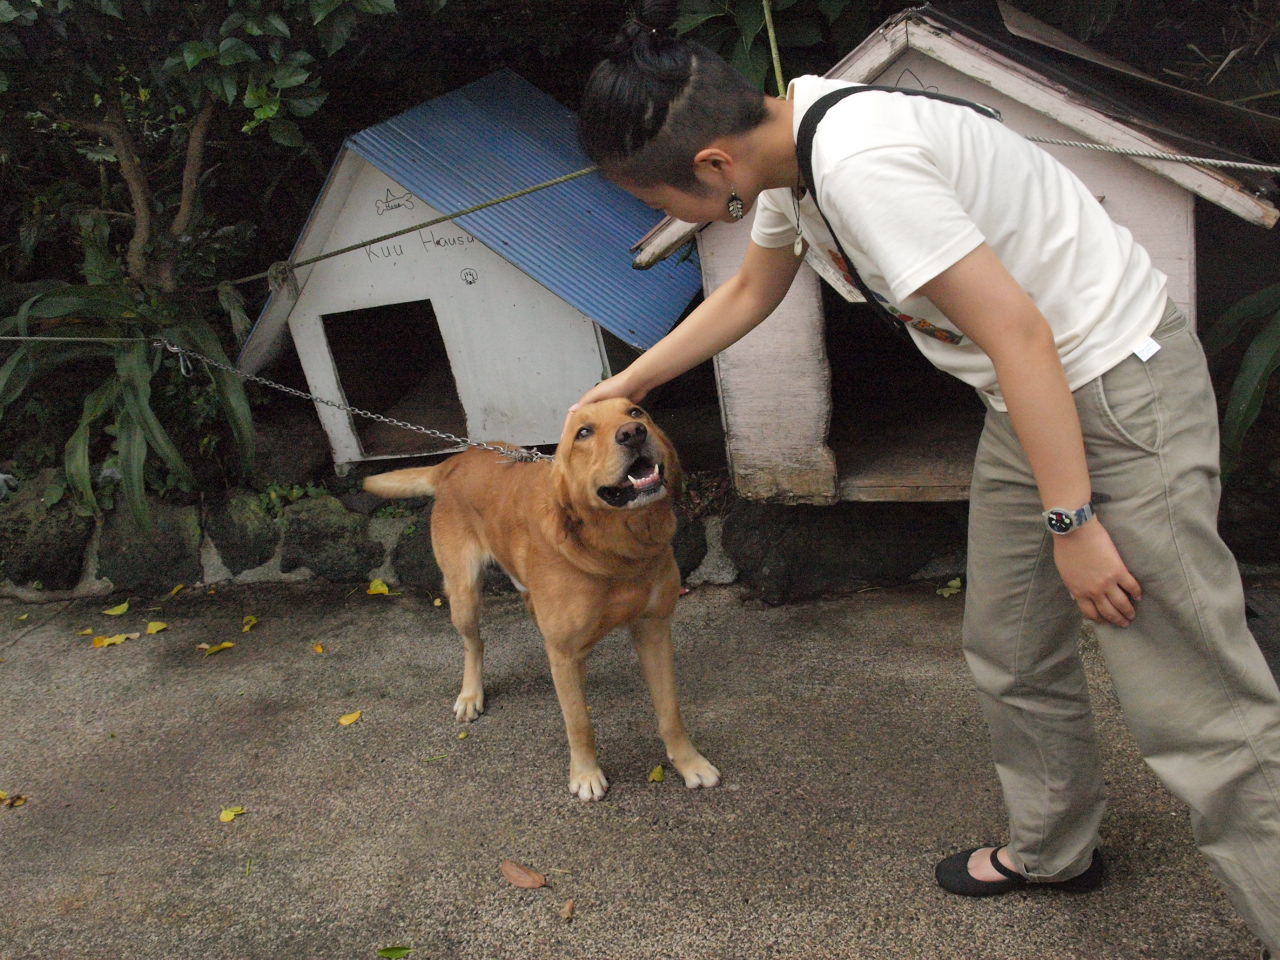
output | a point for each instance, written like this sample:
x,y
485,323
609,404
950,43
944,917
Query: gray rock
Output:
x,y
802,552
412,558
329,540
40,544
243,530
135,557
690,543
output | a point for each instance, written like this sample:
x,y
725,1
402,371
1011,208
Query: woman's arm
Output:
x,y
980,297
726,316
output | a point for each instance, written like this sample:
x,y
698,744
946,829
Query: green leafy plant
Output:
x,y
1256,317
809,33
122,101
277,496
108,327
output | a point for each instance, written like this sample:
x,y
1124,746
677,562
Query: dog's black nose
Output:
x,y
631,434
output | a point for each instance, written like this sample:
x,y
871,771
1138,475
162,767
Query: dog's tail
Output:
x,y
411,482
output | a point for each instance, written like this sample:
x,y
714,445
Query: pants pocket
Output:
x,y
1128,405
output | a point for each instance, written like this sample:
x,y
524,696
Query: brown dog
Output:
x,y
587,541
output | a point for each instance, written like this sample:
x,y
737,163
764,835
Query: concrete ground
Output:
x,y
847,732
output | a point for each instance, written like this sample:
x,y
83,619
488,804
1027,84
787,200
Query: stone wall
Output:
x,y
776,552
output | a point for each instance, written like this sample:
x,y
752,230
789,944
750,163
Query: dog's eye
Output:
x,y
583,433
635,412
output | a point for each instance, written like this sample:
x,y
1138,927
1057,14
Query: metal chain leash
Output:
x,y
521,454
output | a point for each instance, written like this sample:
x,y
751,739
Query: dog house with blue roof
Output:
x,y
486,326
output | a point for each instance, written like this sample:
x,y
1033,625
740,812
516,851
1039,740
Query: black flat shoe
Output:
x,y
953,876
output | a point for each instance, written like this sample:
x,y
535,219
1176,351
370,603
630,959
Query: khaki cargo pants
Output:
x,y
1195,690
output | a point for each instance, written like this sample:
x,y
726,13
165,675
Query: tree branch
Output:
x,y
139,190
197,136
191,171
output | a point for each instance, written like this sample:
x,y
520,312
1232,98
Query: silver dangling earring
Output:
x,y
735,206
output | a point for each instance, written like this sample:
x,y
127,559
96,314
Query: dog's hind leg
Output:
x,y
652,639
462,584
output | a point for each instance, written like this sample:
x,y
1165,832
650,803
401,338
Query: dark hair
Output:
x,y
656,100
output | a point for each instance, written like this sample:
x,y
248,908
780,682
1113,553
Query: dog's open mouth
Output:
x,y
644,480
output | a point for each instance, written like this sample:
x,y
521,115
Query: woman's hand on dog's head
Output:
x,y
616,386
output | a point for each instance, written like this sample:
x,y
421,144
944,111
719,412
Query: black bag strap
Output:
x,y
804,154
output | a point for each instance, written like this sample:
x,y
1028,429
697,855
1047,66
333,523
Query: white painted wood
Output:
x,y
662,241
775,385
520,355
1024,86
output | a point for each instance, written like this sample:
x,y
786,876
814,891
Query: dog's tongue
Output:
x,y
647,480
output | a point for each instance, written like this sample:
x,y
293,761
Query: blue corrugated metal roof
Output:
x,y
501,134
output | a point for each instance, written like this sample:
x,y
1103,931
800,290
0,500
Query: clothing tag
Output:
x,y
1146,350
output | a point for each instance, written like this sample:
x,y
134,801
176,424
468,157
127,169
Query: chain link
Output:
x,y
511,453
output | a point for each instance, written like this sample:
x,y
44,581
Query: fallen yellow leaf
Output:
x,y
15,801
377,586
249,621
225,645
24,616
951,589
86,632
155,626
521,876
3,796
109,641
347,719
657,774
230,813
176,590
463,735
318,648
437,602
117,610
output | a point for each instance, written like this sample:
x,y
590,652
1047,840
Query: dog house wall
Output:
x,y
519,354
521,290
782,364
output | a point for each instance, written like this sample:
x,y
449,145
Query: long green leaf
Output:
x,y
39,360
15,374
1224,331
199,336
16,325
1250,386
133,460
135,378
76,456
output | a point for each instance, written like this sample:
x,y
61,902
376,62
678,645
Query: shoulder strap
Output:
x,y
818,109
804,154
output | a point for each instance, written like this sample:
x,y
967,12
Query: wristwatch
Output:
x,y
1062,521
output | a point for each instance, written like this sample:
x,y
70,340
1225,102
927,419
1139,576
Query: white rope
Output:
x,y
1157,155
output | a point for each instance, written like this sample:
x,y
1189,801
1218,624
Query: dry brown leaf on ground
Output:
x,y
566,912
521,876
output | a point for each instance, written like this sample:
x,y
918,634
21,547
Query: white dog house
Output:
x,y
785,439
487,326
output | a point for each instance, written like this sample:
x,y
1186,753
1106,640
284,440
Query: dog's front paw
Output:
x,y
468,706
589,785
698,771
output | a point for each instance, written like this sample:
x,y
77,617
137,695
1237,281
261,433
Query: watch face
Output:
x,y
1059,521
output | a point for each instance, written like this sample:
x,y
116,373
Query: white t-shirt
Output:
x,y
912,185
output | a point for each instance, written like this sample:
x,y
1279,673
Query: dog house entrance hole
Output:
x,y
391,360
900,428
